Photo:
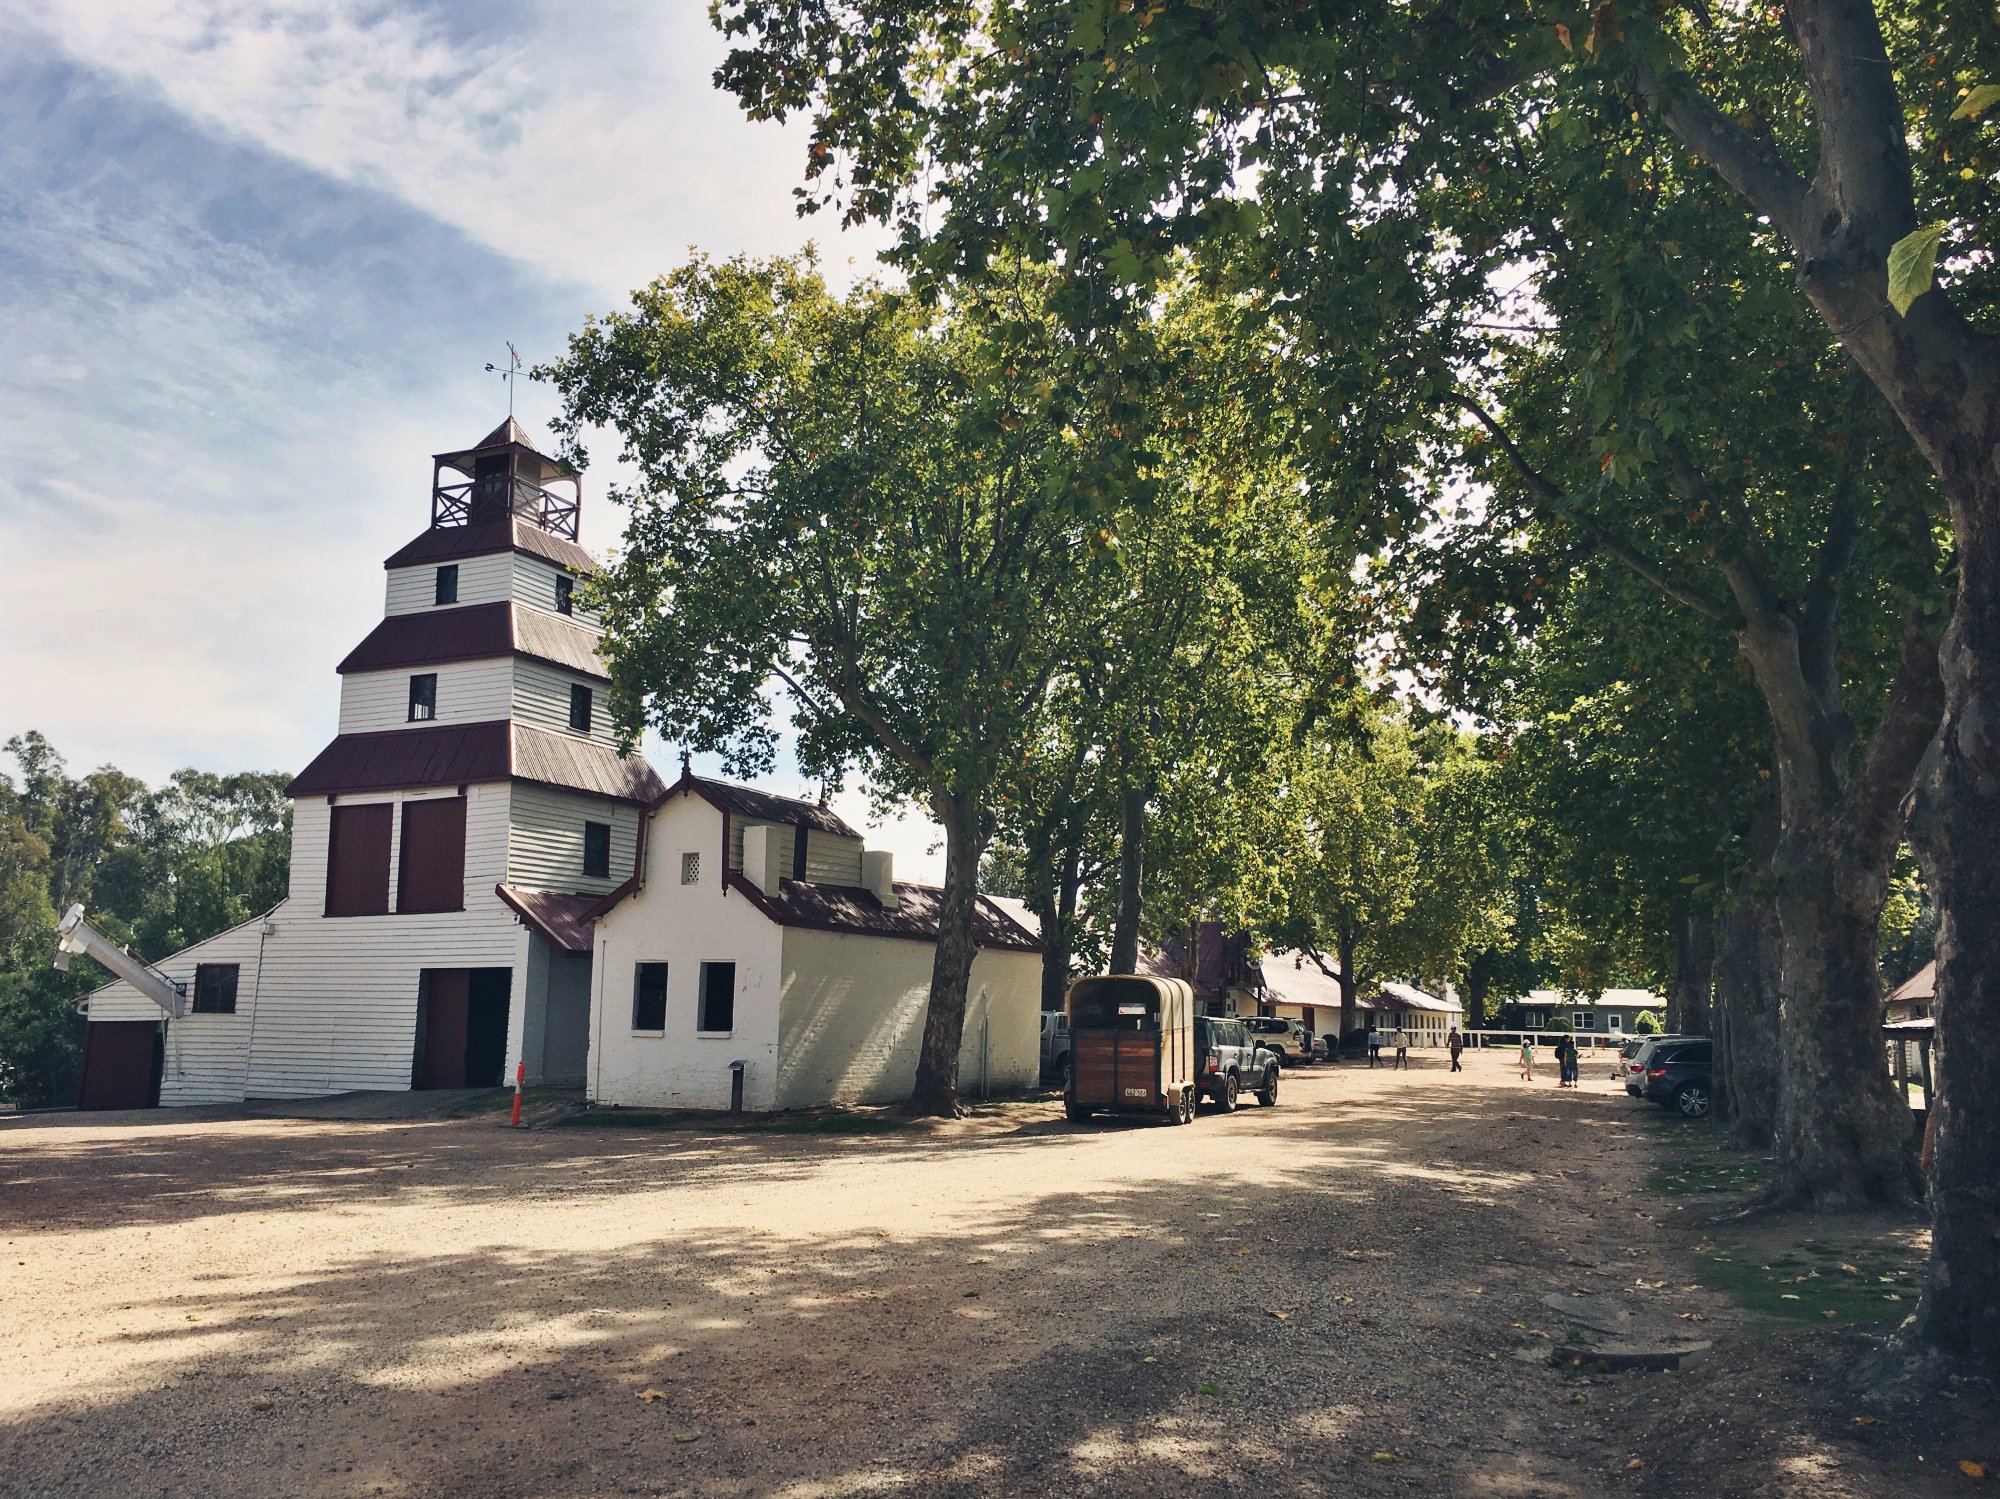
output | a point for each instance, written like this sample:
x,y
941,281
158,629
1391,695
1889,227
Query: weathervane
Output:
x,y
509,372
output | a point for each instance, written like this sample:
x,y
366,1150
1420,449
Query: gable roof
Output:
x,y
1917,988
475,632
457,754
845,908
450,543
761,806
557,917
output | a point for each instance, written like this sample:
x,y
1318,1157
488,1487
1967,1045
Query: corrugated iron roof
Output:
x,y
557,917
1918,987
456,754
476,632
762,806
393,759
843,908
451,543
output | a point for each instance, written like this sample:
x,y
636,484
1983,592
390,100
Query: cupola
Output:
x,y
502,476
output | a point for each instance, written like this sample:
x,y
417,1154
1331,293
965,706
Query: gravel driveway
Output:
x,y
1344,1295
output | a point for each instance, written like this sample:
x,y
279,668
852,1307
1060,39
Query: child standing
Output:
x,y
1528,1059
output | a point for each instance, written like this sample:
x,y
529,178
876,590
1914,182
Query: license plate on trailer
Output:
x,y
1136,1093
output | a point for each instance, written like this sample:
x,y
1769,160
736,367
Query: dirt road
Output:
x,y
1342,1295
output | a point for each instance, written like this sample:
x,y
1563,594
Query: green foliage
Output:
x,y
1909,922
158,869
1912,263
1646,1023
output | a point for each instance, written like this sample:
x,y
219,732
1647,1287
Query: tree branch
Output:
x,y
1748,162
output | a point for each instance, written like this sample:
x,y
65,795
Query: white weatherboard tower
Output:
x,y
444,846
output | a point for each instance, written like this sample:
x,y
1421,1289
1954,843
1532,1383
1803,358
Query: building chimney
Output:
x,y
760,857
878,873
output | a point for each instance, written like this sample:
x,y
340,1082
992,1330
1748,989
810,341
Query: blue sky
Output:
x,y
253,257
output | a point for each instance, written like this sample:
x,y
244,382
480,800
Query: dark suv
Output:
x,y
1229,1061
1678,1075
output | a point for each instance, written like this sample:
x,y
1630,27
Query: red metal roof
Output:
x,y
557,917
1917,988
477,632
762,806
844,908
449,543
442,755
456,754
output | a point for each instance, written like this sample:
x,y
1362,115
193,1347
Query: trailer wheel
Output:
x,y
1184,1110
1076,1112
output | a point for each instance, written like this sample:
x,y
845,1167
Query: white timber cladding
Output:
x,y
333,1007
545,838
684,926
541,698
207,1056
481,580
851,1019
467,692
534,584
831,859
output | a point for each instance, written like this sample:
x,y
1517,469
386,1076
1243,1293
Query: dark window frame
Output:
x,y
215,987
565,594
649,989
597,850
346,897
707,997
421,888
581,706
446,587
424,697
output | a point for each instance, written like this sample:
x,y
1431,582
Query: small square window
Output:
x,y
690,869
649,997
717,1009
1584,1020
215,988
565,594
424,697
579,707
447,584
597,850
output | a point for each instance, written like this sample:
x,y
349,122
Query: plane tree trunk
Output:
x,y
1131,877
965,835
1694,974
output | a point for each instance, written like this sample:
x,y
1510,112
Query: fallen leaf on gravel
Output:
x,y
1829,1315
1864,1421
1208,1389
1384,1457
1149,1359
1971,1469
1281,1316
1692,1317
1479,1290
1788,1296
1343,1298
650,1395
1849,1270
1522,1325
1637,1462
687,1436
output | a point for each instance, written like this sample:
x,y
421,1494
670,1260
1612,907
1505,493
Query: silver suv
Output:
x,y
1635,1062
1287,1038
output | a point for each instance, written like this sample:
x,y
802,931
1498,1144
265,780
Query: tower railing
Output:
x,y
474,501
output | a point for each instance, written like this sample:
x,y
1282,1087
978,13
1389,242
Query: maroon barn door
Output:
x,y
443,1063
122,1064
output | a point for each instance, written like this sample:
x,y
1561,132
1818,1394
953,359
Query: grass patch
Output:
x,y
1695,1161
1860,1285
500,1100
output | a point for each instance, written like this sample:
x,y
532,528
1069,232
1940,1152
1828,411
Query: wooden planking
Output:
x,y
481,580
468,692
541,698
545,840
534,584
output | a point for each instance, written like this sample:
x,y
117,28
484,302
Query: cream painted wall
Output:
x,y
684,926
467,692
852,1020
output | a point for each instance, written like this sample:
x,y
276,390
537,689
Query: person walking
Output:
x,y
1374,1045
1402,1048
1527,1059
1456,1044
1564,1047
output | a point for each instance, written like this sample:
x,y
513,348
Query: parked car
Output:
x,y
1621,1064
1635,1065
1287,1038
1055,1042
1679,1077
1230,1061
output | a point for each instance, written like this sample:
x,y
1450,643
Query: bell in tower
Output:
x,y
505,478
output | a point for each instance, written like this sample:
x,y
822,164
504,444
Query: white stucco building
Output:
x,y
759,930
444,845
